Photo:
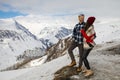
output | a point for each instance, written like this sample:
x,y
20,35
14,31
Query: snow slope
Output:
x,y
107,29
15,39
104,66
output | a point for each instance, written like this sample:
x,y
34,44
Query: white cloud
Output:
x,y
62,7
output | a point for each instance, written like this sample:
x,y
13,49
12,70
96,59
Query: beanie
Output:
x,y
91,20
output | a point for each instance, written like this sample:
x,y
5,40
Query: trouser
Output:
x,y
72,47
84,57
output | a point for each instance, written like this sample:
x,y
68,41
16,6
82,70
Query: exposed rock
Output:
x,y
58,49
65,73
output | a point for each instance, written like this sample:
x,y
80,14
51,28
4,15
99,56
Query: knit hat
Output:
x,y
91,20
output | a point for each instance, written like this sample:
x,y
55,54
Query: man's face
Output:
x,y
81,19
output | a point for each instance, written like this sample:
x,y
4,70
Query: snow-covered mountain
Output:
x,y
36,23
50,36
48,27
16,41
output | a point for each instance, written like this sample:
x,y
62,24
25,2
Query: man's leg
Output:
x,y
70,51
81,50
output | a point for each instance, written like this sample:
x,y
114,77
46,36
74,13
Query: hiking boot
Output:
x,y
83,70
73,63
88,73
79,69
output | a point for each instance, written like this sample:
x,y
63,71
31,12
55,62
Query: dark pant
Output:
x,y
84,57
72,47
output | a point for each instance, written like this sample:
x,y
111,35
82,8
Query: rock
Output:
x,y
65,73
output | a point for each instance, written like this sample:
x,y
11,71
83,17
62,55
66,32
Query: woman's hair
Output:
x,y
89,22
87,25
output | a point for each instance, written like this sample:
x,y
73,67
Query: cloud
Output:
x,y
62,7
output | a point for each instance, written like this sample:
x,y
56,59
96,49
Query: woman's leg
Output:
x,y
84,58
88,72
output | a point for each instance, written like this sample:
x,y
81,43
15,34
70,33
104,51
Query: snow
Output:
x,y
42,72
48,28
36,62
12,48
8,75
14,42
35,23
99,62
107,30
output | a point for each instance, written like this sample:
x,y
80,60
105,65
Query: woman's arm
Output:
x,y
88,38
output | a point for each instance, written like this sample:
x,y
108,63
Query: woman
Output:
x,y
89,35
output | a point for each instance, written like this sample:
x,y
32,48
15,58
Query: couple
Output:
x,y
83,36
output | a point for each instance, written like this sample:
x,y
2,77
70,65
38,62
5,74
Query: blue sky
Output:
x,y
12,8
10,14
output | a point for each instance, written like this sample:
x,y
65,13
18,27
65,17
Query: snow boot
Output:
x,y
73,63
88,73
84,69
79,69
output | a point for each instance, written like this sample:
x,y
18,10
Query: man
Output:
x,y
77,42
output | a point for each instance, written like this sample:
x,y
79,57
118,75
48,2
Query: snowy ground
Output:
x,y
105,66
